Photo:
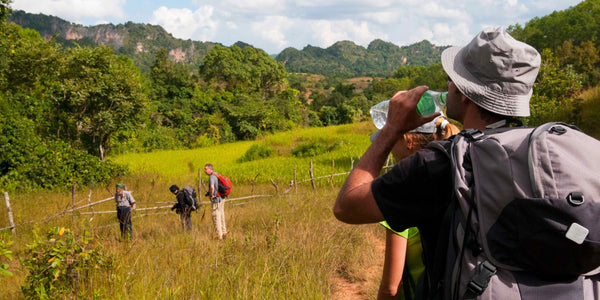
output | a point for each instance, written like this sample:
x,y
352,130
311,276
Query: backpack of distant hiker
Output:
x,y
224,186
190,197
524,222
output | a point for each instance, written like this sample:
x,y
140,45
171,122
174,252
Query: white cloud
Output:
x,y
329,32
185,24
74,10
273,25
272,29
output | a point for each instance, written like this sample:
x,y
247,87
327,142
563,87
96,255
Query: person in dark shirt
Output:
x,y
489,80
182,208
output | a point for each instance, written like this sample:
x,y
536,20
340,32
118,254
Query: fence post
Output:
x,y
295,182
351,163
91,206
332,169
10,214
199,181
73,195
276,187
312,177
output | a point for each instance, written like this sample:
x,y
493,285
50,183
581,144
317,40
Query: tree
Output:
x,y
247,70
99,94
4,10
584,59
554,90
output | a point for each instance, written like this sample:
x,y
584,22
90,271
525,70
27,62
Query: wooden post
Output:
x,y
10,214
73,195
73,190
276,187
331,176
295,182
351,163
253,182
91,206
199,181
312,177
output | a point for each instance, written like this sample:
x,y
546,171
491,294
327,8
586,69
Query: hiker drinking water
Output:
x,y
545,241
125,203
186,203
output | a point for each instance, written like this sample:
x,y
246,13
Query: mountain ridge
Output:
x,y
141,41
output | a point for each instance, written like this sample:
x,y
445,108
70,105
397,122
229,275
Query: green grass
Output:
x,y
288,246
353,140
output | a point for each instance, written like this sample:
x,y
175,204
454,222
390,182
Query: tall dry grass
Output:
x,y
287,246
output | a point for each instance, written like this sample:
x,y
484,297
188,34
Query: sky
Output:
x,y
273,25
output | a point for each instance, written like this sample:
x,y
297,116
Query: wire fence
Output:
x,y
75,207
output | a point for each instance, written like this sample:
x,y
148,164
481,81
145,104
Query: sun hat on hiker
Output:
x,y
121,186
495,71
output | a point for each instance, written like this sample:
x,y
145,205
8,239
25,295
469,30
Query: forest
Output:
x,y
66,110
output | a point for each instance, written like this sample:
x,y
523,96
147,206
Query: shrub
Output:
x,y
313,149
4,252
257,151
58,264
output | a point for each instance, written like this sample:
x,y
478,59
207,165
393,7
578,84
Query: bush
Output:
x,y
313,149
27,162
4,252
58,264
257,151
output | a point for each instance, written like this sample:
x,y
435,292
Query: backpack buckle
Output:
x,y
472,134
481,278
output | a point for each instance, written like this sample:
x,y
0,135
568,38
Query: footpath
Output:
x,y
347,290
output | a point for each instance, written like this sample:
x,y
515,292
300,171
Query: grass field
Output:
x,y
285,246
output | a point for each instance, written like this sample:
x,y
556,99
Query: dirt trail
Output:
x,y
346,290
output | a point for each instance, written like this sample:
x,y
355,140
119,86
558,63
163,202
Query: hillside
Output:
x,y
140,42
347,59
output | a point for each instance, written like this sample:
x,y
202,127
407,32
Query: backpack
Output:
x,y
224,186
190,197
523,223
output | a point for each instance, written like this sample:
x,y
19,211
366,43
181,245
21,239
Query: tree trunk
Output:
x,y
101,148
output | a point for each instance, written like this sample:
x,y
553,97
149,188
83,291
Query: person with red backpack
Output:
x,y
216,197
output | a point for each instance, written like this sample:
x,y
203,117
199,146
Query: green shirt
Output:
x,y
414,251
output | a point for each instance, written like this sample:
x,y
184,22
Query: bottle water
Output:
x,y
431,102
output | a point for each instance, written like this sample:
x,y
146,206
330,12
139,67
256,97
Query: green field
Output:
x,y
350,142
284,246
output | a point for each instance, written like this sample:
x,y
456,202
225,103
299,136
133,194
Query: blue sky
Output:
x,y
274,25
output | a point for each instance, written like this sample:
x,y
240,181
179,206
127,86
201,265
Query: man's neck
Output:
x,y
472,118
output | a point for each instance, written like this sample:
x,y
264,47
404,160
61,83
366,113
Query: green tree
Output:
x,y
99,94
584,59
247,70
554,89
5,10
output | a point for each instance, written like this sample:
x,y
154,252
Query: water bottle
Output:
x,y
431,102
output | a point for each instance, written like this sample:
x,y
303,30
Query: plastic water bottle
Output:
x,y
431,102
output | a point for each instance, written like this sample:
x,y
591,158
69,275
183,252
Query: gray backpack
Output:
x,y
525,222
190,197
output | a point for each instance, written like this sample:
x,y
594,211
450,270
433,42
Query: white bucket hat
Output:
x,y
495,71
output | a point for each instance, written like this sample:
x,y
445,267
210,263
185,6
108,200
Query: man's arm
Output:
x,y
131,200
211,188
355,203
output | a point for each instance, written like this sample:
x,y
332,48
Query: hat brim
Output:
x,y
485,97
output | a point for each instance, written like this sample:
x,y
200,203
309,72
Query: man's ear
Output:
x,y
409,143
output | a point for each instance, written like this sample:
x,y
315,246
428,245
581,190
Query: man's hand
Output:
x,y
402,113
